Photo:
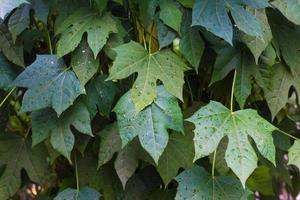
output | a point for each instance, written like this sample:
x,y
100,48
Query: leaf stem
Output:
x,y
232,91
6,97
49,41
76,173
213,164
287,134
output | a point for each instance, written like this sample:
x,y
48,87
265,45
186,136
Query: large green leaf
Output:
x,y
277,94
45,122
196,183
13,52
19,21
214,121
170,14
256,44
163,65
151,124
83,63
230,58
179,153
147,11
98,27
212,14
8,73
192,46
110,143
126,163
49,83
294,154
100,94
82,194
9,5
17,154
289,8
165,34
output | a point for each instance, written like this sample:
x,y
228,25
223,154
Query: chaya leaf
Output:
x,y
151,124
277,93
256,44
294,154
126,163
165,34
163,65
214,121
110,143
82,194
83,63
8,73
9,5
212,14
179,153
17,154
13,52
45,122
196,183
19,21
230,58
98,27
100,94
49,83
170,14
289,8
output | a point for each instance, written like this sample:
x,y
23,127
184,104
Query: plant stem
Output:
x,y
287,134
213,164
76,173
232,92
6,97
49,41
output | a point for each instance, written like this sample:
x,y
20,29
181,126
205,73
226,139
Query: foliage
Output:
x,y
154,99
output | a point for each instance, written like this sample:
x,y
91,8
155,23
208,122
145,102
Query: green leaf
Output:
x,y
8,73
214,121
165,34
220,162
45,122
289,8
258,4
19,21
82,194
41,9
277,93
179,153
126,163
163,65
83,63
100,5
187,3
212,14
151,124
9,5
110,143
100,94
17,154
147,11
13,52
294,154
196,183
230,58
261,181
256,44
49,83
192,46
170,14
98,27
